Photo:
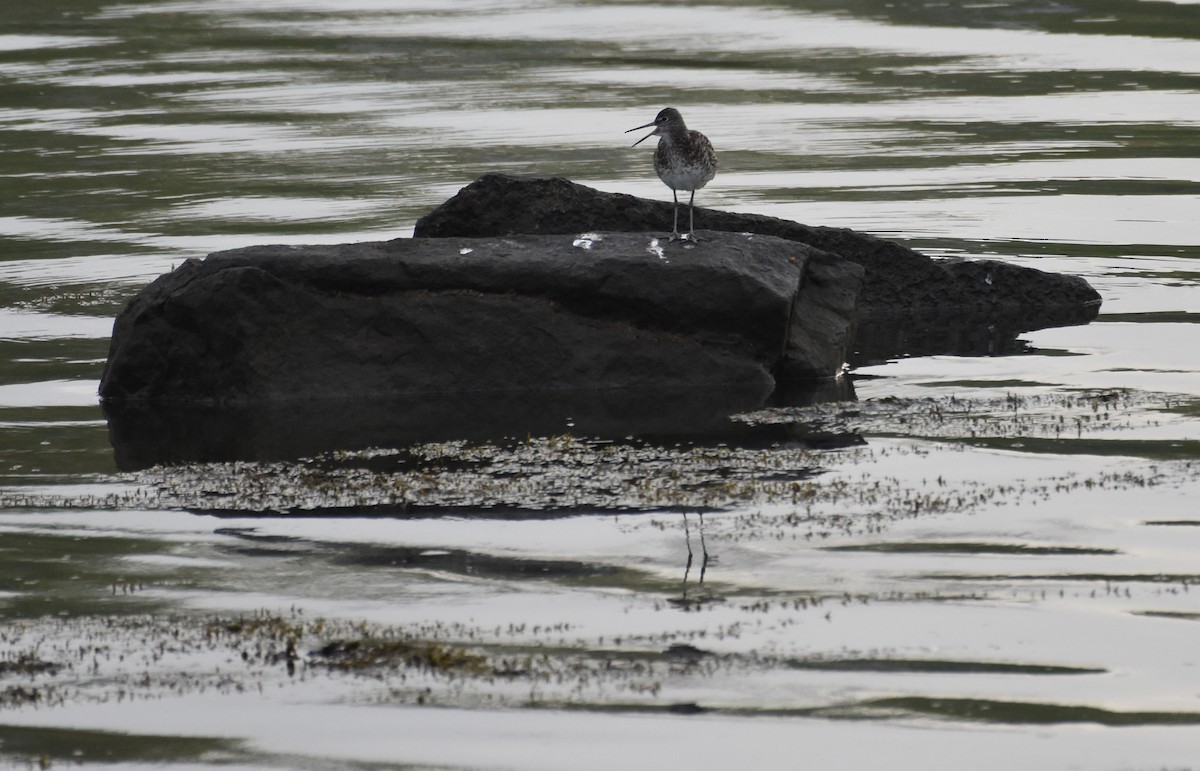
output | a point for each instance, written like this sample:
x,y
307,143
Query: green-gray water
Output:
x,y
1003,572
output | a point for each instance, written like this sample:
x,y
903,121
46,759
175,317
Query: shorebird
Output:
x,y
684,160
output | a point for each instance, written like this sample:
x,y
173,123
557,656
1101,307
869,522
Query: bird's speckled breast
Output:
x,y
686,168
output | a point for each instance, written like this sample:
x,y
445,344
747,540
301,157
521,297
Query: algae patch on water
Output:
x,y
770,458
546,476
1063,417
112,660
794,471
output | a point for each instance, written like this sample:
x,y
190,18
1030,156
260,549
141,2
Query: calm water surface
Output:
x,y
1004,574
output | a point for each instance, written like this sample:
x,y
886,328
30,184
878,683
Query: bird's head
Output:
x,y
668,120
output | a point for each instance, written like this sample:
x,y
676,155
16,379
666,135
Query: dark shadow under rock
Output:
x,y
145,434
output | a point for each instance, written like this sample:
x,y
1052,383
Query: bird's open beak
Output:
x,y
643,139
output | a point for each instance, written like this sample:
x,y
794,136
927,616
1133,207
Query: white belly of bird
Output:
x,y
685,177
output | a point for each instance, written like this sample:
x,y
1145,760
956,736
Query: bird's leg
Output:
x,y
692,219
675,222
687,535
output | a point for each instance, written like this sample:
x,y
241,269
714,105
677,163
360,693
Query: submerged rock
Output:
x,y
502,314
909,303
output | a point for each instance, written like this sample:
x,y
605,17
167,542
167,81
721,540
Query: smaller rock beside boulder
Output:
x,y
901,289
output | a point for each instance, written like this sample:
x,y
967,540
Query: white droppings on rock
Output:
x,y
587,240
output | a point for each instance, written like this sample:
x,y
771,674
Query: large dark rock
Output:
x,y
907,303
523,313
525,316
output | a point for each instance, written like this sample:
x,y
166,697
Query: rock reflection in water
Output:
x,y
883,337
145,435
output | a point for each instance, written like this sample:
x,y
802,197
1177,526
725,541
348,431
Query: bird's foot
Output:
x,y
676,237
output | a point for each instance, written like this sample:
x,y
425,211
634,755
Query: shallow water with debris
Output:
x,y
943,560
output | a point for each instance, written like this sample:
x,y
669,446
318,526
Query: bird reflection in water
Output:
x,y
702,595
